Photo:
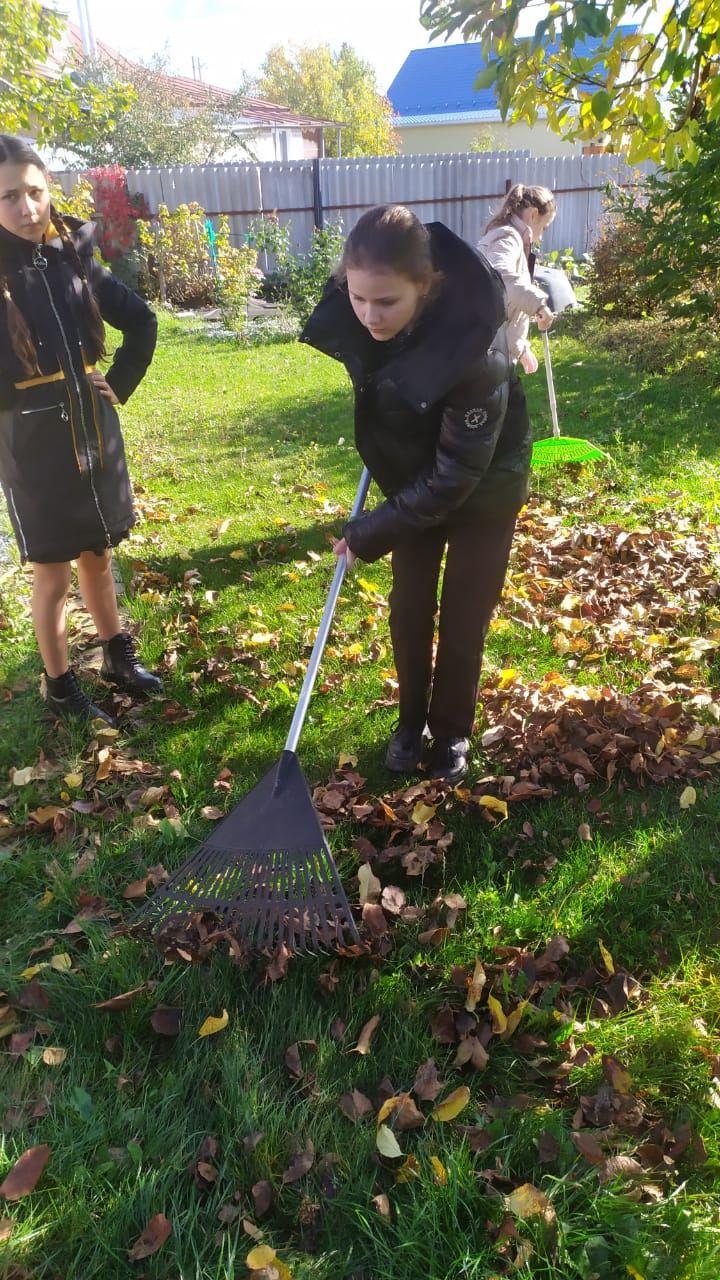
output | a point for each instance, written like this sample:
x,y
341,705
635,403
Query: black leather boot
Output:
x,y
447,760
404,750
122,666
67,698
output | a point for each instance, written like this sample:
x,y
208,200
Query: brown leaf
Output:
x,y
122,1001
548,1147
337,1029
374,919
53,1055
355,1105
300,1164
588,1147
33,996
427,1084
621,1167
137,889
251,1140
442,1025
366,1035
262,1195
278,965
153,1238
292,1058
21,1041
407,1115
166,1021
6,1228
616,1074
25,1173
207,1172
393,899
382,1204
471,1050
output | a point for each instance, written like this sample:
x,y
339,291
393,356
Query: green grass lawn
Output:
x,y
588,1143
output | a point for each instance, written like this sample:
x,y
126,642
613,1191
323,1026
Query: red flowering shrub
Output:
x,y
116,210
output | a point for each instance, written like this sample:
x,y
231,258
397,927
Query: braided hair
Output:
x,y
17,151
520,197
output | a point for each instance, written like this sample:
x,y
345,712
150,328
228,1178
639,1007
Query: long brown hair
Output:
x,y
389,238
17,151
520,197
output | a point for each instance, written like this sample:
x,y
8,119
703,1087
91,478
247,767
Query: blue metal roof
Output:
x,y
440,80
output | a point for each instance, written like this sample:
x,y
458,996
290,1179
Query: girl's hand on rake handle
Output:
x,y
544,318
341,548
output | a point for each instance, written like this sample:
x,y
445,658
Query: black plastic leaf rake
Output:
x,y
267,873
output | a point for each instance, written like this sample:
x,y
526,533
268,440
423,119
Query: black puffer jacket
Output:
x,y
431,421
62,459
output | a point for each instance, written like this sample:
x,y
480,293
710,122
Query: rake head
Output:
x,y
555,451
266,873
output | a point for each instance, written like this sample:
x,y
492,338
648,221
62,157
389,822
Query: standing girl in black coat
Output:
x,y
62,460
416,316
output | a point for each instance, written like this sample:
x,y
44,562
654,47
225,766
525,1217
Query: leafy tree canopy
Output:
x,y
315,81
646,88
46,105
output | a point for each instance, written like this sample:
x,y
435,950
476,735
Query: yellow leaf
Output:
x,y
475,986
346,761
387,1143
21,777
53,1055
440,1171
507,676
423,812
73,780
237,554
498,1016
261,1257
526,1201
46,899
211,1026
62,962
389,1105
688,797
607,958
513,1019
633,1272
453,1104
287,607
32,970
492,802
408,1169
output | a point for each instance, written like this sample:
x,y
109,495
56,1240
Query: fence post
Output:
x,y
318,212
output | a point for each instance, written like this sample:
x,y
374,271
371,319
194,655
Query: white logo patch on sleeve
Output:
x,y
475,418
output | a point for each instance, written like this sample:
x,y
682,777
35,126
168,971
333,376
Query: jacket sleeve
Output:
x,y
501,250
472,420
127,311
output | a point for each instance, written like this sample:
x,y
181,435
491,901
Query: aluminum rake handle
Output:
x,y
324,628
550,385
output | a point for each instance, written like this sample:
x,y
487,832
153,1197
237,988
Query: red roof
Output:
x,y
197,92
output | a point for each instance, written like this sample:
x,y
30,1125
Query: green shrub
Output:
x,y
178,264
615,280
78,204
298,279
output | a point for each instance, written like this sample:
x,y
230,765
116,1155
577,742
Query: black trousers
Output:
x,y
477,557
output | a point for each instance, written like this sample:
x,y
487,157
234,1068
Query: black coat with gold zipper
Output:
x,y
62,458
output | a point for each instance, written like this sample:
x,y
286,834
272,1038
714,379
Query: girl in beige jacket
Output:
x,y
507,244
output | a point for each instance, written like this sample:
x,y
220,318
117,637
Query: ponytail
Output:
x,y
19,334
520,197
95,325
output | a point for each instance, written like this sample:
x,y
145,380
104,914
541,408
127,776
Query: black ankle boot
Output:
x,y
122,666
67,698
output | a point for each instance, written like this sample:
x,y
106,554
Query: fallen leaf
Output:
x,y
300,1165
439,1170
122,1001
62,963
492,803
262,1198
475,987
588,1146
366,1035
211,812
688,797
370,886
53,1056
451,1106
499,1021
261,1257
166,1021
607,958
427,1084
211,1026
526,1201
6,1228
616,1074
382,1204
25,1173
387,1143
355,1105
153,1238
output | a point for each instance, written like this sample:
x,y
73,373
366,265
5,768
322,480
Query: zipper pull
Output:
x,y
64,414
38,258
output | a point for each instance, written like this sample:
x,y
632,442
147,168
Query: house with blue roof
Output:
x,y
438,109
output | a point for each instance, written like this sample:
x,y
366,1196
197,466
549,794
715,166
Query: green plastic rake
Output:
x,y
557,450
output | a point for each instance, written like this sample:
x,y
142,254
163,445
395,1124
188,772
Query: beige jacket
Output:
x,y
504,249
